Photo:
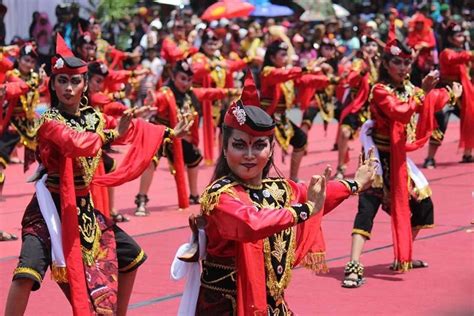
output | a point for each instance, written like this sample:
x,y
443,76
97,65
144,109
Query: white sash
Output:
x,y
191,270
51,217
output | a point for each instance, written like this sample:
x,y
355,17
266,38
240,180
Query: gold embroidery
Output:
x,y
279,247
29,271
276,287
277,193
211,195
134,262
93,122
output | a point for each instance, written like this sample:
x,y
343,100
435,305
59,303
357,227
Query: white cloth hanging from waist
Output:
x,y
191,270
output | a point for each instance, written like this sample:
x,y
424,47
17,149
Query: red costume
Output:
x,y
168,114
392,110
172,50
206,75
424,38
454,66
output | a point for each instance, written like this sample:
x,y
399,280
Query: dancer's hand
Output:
x,y
124,123
144,111
365,174
430,81
182,127
150,98
456,90
317,189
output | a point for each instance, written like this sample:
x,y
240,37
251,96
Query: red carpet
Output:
x,y
445,288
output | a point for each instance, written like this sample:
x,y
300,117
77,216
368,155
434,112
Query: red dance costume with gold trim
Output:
x,y
255,237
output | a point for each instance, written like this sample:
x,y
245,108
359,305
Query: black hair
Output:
x,y
272,50
52,93
222,168
386,57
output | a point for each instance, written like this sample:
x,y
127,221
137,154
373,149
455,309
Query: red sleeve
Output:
x,y
15,89
114,108
118,76
5,64
210,93
171,52
117,57
161,104
278,75
392,106
316,81
69,142
110,121
242,222
236,65
336,193
449,57
200,67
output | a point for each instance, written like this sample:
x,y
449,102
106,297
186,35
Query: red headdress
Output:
x,y
246,114
396,48
65,62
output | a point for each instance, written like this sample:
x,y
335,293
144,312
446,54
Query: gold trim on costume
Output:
x,y
316,262
134,262
361,232
424,226
275,287
29,271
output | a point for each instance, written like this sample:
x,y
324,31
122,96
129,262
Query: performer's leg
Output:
x,y
18,297
308,118
192,159
35,257
8,142
299,142
141,198
369,203
129,256
422,218
192,179
442,118
146,179
125,287
345,133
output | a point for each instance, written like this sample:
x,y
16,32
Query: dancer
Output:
x,y
258,228
394,102
454,67
94,261
361,78
171,102
278,90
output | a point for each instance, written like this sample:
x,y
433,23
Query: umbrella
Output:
x,y
340,11
176,3
316,10
266,9
227,9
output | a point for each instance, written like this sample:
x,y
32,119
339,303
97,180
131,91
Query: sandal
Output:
x,y
4,236
340,173
119,218
353,267
415,264
467,159
141,200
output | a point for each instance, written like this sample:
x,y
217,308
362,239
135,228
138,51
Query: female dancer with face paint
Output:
x,y
259,228
399,187
93,260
